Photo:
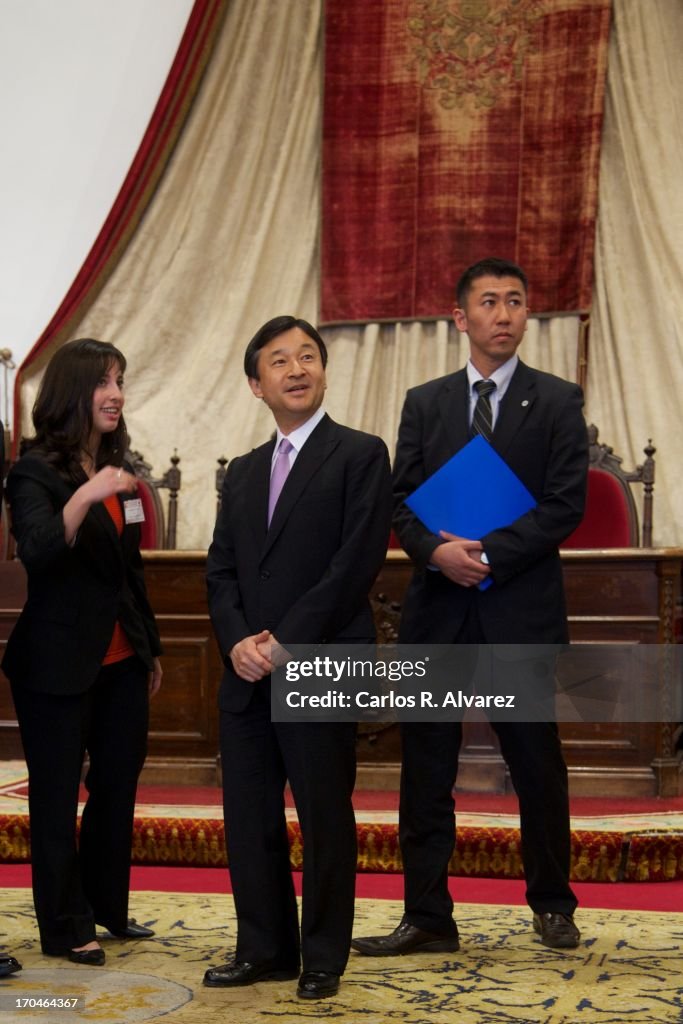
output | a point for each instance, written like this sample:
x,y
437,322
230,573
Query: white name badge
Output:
x,y
133,511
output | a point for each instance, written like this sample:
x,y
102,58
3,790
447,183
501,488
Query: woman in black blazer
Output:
x,y
82,659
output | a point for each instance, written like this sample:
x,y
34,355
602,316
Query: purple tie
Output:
x,y
279,475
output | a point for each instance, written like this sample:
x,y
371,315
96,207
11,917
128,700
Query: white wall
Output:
x,y
78,83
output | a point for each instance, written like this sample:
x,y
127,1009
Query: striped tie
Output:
x,y
482,421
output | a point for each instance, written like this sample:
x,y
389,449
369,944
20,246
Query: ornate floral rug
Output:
x,y
627,968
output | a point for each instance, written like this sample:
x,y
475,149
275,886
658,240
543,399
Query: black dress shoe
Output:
x,y
8,965
317,985
406,939
239,972
133,930
557,931
87,957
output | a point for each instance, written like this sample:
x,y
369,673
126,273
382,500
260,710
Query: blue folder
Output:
x,y
471,494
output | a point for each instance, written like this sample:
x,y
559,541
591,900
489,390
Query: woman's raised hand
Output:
x,y
110,480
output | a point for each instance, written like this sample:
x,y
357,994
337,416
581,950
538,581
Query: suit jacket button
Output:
x,y
265,575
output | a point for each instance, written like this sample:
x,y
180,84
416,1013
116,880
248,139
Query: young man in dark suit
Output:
x,y
535,422
292,562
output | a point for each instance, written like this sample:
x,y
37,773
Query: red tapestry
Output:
x,y
455,130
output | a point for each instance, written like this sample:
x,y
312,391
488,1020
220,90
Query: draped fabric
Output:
x,y
231,239
636,341
138,188
456,130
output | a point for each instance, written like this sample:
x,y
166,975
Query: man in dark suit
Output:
x,y
535,422
292,562
8,964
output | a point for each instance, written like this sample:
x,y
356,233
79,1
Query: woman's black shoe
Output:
x,y
87,957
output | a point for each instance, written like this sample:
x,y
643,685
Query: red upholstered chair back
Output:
x,y
610,520
611,516
152,530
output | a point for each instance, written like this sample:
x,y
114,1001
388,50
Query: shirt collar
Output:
x,y
501,377
298,437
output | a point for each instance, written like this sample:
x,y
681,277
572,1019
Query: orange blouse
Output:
x,y
119,647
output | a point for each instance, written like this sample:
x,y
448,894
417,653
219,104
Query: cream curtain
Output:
x,y
636,347
229,240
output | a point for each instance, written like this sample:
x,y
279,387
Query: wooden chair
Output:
x,y
156,533
5,535
7,542
4,524
611,517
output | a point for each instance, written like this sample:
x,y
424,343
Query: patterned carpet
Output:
x,y
642,847
628,968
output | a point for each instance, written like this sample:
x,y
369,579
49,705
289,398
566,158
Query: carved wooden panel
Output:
x,y
627,595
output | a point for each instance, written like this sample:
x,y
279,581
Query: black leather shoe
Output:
x,y
317,985
557,930
87,957
133,930
8,965
239,972
406,939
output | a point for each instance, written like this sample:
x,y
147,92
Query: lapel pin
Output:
x,y
525,402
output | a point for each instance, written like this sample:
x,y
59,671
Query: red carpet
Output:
x,y
387,800
634,896
388,883
612,840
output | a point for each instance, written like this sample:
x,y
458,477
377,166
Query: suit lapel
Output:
x,y
99,515
105,521
257,489
515,407
314,452
454,411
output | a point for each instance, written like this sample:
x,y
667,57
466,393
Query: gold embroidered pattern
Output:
x,y
472,50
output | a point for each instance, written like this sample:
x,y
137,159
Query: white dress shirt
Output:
x,y
297,438
501,378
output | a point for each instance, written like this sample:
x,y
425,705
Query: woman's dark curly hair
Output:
x,y
62,414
